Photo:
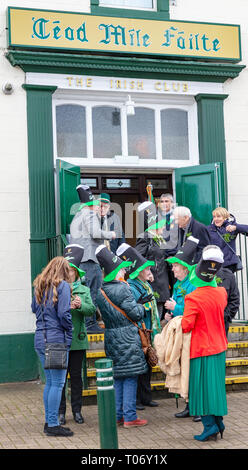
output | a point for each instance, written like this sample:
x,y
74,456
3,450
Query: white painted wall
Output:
x,y
15,288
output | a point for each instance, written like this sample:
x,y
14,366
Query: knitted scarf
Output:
x,y
152,305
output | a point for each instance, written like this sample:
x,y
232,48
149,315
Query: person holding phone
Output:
x,y
81,307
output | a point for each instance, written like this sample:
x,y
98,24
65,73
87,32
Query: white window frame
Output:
x,y
128,7
156,102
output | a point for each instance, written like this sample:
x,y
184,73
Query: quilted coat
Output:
x,y
121,338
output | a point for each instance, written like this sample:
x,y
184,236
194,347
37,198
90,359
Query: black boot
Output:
x,y
184,413
59,431
78,417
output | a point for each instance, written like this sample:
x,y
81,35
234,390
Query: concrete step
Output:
x,y
236,362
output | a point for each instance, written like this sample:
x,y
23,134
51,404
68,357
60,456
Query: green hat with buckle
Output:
x,y
204,273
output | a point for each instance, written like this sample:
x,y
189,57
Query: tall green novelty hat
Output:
x,y
73,254
86,196
203,274
110,262
138,262
186,253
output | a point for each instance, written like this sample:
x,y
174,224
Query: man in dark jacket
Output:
x,y
225,278
188,226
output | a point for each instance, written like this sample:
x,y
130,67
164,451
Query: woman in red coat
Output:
x,y
204,317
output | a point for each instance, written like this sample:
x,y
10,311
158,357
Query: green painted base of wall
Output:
x,y
19,361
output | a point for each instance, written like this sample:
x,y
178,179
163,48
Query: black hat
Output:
x,y
203,274
86,196
138,261
73,254
185,254
110,262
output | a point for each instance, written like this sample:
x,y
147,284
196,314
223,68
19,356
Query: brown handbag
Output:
x,y
145,336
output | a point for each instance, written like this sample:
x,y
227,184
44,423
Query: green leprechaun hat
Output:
x,y
186,253
110,262
204,273
73,254
138,262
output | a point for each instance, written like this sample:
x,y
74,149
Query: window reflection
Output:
x,y
141,133
174,130
106,132
71,131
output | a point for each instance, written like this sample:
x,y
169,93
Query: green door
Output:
x,y
201,188
68,178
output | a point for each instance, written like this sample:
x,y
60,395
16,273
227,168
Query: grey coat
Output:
x,y
121,338
85,230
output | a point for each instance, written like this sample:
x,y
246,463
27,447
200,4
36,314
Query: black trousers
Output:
x,y
75,371
144,392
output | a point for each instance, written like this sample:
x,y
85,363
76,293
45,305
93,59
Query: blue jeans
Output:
x,y
55,379
125,397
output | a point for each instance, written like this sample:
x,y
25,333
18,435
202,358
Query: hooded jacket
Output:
x,y
121,337
226,240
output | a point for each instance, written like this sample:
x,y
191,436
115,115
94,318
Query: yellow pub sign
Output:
x,y
84,32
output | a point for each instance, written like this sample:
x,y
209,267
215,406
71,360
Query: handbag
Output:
x,y
144,333
55,353
239,265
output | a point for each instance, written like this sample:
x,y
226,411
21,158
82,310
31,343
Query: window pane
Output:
x,y
141,133
174,128
71,131
91,182
106,132
162,183
120,183
127,3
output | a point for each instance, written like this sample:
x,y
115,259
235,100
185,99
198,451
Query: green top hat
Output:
x,y
203,274
73,254
138,261
185,254
110,262
86,196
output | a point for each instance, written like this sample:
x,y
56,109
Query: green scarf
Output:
x,y
155,320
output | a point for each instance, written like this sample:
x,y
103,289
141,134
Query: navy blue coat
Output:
x,y
230,258
57,317
121,338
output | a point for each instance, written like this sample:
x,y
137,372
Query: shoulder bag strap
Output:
x,y
119,309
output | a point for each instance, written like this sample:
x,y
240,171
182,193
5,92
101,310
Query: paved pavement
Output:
x,y
22,421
